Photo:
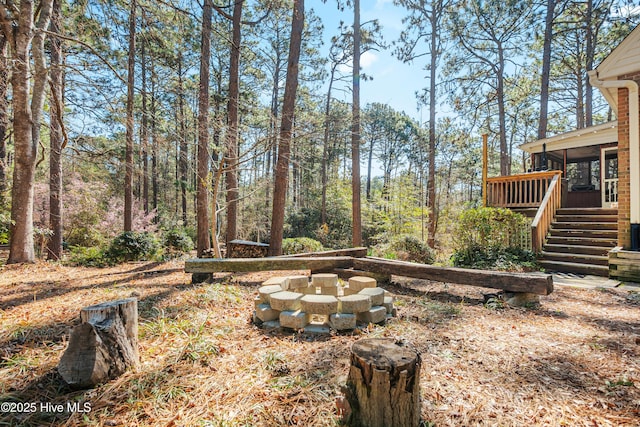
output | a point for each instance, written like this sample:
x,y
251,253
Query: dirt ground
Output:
x,y
573,361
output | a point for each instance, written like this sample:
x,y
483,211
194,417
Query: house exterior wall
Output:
x,y
624,185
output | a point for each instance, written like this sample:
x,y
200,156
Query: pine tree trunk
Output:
x,y
4,116
546,70
184,148
54,245
17,26
355,131
288,110
144,131
154,145
431,180
202,201
128,175
231,157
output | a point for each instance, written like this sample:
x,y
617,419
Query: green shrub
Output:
x,y
495,258
177,241
87,257
409,248
492,227
133,246
405,248
299,245
493,238
5,226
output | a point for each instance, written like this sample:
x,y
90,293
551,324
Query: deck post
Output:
x,y
485,167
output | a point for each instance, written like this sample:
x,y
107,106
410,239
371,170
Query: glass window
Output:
x,y
584,175
611,166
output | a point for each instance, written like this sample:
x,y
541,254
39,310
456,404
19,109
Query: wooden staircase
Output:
x,y
579,240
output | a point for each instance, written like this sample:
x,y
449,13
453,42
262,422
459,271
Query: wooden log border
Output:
x,y
536,283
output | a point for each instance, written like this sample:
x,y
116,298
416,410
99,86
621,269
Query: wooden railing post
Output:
x,y
545,214
518,191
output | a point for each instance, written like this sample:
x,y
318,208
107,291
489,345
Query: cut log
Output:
x,y
536,283
383,386
103,346
237,265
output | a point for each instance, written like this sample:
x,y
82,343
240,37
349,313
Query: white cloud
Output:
x,y
367,59
380,3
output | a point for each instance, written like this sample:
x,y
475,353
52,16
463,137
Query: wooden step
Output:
x,y
586,211
574,258
586,218
585,225
582,241
568,267
577,249
589,234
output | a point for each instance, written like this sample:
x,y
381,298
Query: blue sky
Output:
x,y
394,82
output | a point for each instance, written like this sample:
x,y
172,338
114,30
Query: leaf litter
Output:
x,y
572,361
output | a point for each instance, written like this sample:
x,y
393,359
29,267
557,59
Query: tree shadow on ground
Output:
x,y
48,388
44,290
411,290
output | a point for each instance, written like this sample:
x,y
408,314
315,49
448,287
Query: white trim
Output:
x,y
608,186
634,138
594,135
624,59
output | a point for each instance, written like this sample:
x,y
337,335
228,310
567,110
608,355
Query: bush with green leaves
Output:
x,y
410,248
88,257
299,245
495,258
493,238
492,227
133,246
5,226
405,248
177,241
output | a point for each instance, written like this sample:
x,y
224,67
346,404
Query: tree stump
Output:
x,y
383,386
103,346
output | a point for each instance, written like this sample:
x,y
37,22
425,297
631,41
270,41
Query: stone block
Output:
x,y
348,291
294,319
376,295
333,291
285,300
354,303
320,304
309,290
257,301
297,282
265,313
358,283
521,299
265,291
342,321
324,280
282,281
388,304
377,314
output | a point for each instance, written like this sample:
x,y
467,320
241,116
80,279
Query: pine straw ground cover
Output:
x,y
573,361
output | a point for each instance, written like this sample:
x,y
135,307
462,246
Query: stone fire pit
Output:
x,y
321,304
